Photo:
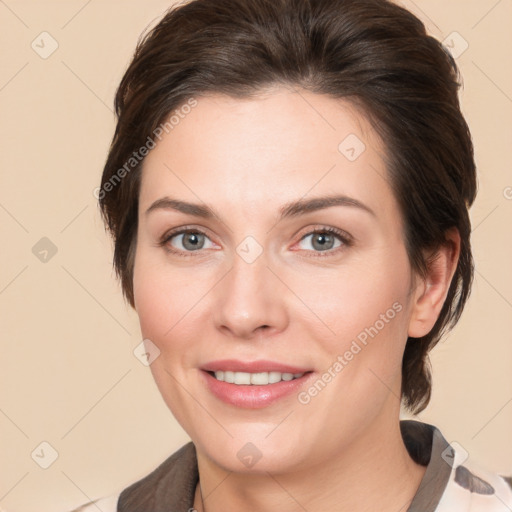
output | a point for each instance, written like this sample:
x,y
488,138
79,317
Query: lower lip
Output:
x,y
253,396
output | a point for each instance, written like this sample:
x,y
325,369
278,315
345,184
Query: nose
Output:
x,y
250,301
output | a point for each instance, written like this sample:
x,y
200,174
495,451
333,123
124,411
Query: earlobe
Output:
x,y
431,292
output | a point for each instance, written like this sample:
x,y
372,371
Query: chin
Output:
x,y
253,452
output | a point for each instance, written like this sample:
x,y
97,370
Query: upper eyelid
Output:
x,y
180,231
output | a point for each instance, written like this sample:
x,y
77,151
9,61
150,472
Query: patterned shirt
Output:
x,y
451,483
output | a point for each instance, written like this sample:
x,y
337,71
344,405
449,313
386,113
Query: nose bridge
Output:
x,y
247,298
247,280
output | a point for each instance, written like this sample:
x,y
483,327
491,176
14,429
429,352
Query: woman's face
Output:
x,y
253,292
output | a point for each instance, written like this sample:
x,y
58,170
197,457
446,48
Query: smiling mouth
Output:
x,y
254,379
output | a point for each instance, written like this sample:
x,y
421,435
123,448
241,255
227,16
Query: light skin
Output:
x,y
296,303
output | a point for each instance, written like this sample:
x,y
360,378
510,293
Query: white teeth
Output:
x,y
274,377
257,379
242,378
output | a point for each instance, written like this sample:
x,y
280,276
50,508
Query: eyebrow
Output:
x,y
291,209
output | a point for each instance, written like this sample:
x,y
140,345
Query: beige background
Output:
x,y
68,373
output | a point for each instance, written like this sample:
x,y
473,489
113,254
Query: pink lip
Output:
x,y
232,365
248,396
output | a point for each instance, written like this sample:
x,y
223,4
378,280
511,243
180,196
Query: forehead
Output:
x,y
267,150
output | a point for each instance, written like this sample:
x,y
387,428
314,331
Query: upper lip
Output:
x,y
233,365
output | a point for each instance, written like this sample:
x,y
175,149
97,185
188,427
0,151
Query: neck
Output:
x,y
374,473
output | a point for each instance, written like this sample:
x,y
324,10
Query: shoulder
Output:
x,y
170,486
174,480
473,487
453,481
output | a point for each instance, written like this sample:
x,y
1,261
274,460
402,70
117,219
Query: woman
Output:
x,y
288,190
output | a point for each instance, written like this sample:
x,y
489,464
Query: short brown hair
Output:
x,y
370,52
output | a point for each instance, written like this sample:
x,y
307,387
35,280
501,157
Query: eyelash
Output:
x,y
343,236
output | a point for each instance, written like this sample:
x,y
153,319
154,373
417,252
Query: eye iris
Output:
x,y
194,239
325,240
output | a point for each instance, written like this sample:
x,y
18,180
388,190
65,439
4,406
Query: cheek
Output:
x,y
168,301
366,309
156,299
359,298
151,302
162,301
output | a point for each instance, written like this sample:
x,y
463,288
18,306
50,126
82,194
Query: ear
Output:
x,y
431,292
